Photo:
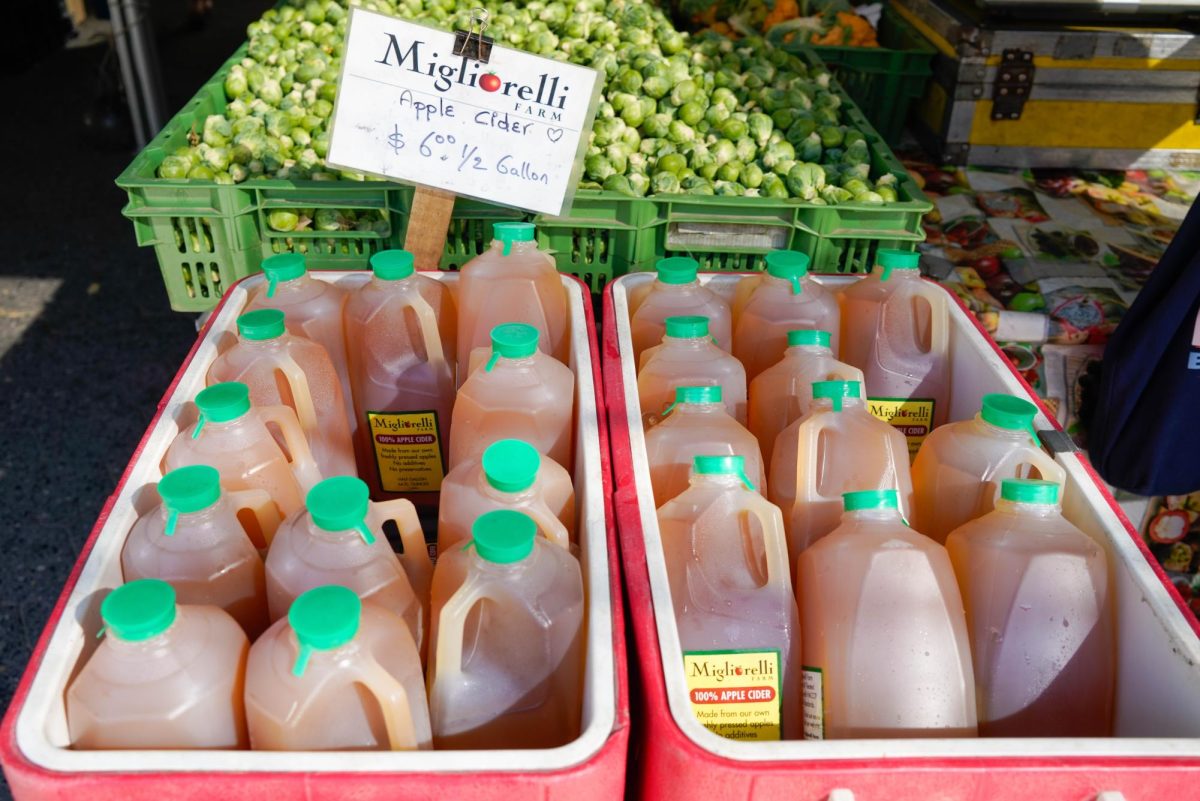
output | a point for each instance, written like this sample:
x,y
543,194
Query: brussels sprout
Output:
x,y
673,163
724,151
657,125
217,130
729,171
751,176
732,129
731,188
746,149
776,153
598,167
639,183
174,167
201,172
655,86
683,91
236,84
773,186
831,136
679,132
805,180
834,195
800,130
283,220
760,127
663,183
810,149
691,113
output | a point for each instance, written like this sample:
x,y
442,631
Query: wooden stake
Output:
x,y
426,237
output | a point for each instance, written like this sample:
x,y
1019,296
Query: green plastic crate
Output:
x,y
883,81
206,237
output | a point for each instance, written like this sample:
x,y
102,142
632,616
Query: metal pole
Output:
x,y
140,32
121,42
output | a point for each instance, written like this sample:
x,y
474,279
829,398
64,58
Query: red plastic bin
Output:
x,y
40,765
1155,754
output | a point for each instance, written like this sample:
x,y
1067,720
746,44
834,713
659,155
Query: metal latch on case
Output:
x,y
1014,80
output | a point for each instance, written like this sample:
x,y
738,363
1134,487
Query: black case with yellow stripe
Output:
x,y
1049,95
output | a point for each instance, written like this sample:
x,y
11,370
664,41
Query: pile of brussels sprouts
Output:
x,y
679,115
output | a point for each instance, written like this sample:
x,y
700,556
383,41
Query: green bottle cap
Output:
x,y
677,269
282,267
509,232
322,619
221,403
722,466
687,327
187,490
871,499
1029,490
694,395
261,324
138,610
503,536
1008,411
789,265
392,265
890,259
340,504
837,391
511,465
512,341
808,339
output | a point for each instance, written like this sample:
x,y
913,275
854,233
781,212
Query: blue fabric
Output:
x,y
1145,435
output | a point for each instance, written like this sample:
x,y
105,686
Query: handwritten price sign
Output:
x,y
512,131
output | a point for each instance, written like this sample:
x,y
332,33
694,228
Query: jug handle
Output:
x,y
261,505
939,323
549,523
304,467
394,703
1050,469
774,546
427,319
452,623
416,561
306,414
806,479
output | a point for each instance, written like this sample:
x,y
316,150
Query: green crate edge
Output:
x,y
604,235
883,81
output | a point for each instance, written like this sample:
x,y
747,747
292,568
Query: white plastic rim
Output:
x,y
41,729
1157,711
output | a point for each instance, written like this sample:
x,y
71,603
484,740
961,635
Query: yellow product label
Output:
x,y
912,416
736,694
813,693
408,450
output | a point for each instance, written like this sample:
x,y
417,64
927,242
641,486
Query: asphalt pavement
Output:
x,y
88,342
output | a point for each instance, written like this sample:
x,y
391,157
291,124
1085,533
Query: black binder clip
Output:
x,y
473,44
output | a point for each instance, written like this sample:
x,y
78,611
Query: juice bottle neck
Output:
x,y
876,516
847,404
503,571
807,351
687,343
143,649
697,409
724,481
486,488
1039,510
521,248
237,426
193,520
681,289
998,432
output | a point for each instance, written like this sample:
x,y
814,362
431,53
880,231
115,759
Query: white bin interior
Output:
x,y
1158,665
41,728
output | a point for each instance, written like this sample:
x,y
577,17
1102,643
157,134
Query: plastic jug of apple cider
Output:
x,y
506,664
339,539
782,394
521,393
401,342
511,474
677,292
838,448
896,329
696,425
282,369
164,676
232,436
727,564
336,674
1039,610
885,647
688,357
195,542
782,300
512,282
313,309
957,473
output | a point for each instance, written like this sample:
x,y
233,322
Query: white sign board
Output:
x,y
512,131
